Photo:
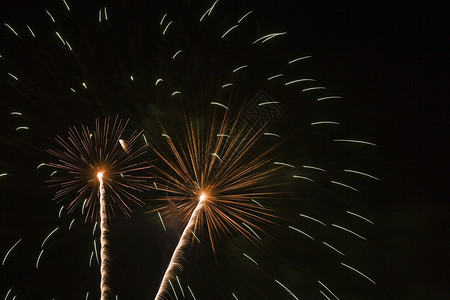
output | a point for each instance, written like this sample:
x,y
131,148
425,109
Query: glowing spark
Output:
x,y
359,272
67,5
158,81
90,259
219,104
259,204
87,296
315,168
298,230
16,113
176,93
311,218
300,80
9,251
325,123
13,76
123,144
53,173
193,233
71,223
287,290
167,27
7,294
191,293
48,236
328,245
348,230
228,31
216,155
361,173
283,164
12,29
3,174
244,16
270,36
240,68
50,15
235,297
174,292
328,289
162,19
96,252
60,37
299,59
39,258
227,85
268,103
60,211
177,255
329,97
23,128
355,141
181,288
302,177
314,88
162,222
359,216
271,134
176,53
208,11
344,185
94,228
251,229
250,258
274,76
324,295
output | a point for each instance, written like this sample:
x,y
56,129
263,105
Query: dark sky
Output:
x,y
389,61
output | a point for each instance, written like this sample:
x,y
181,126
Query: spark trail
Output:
x,y
104,256
178,253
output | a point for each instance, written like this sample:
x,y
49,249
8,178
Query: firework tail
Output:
x,y
104,257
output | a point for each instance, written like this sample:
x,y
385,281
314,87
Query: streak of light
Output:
x,y
131,77
324,295
31,31
50,15
361,173
222,135
9,251
39,258
216,155
174,292
53,173
240,68
328,245
287,290
302,177
208,11
219,104
251,229
145,139
244,16
60,37
3,174
250,258
355,141
96,252
181,288
23,128
315,168
359,272
227,85
48,236
13,76
67,5
300,80
274,76
162,19
314,88
165,135
298,230
329,98
325,123
271,134
68,45
283,164
191,293
228,31
16,113
176,93
257,202
193,233
94,228
12,29
84,85
71,223
176,53
344,185
158,81
311,218
162,222
177,255
299,59
123,144
87,296
7,294
269,36
327,289
90,259
167,27
40,165
268,103
235,297
104,255
359,216
60,211
83,206
106,14
348,230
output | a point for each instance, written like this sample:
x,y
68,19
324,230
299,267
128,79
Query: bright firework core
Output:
x,y
99,175
202,196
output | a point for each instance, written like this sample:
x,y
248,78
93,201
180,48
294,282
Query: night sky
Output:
x,y
389,62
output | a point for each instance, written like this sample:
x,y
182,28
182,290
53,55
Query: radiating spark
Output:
x,y
67,5
359,272
250,258
324,295
251,230
314,219
244,16
90,259
60,37
327,289
181,288
176,93
298,230
348,230
344,185
175,293
328,245
355,141
60,211
99,15
165,135
162,222
300,80
359,216
228,31
48,236
167,27
270,36
53,173
223,135
87,296
16,113
283,164
123,144
131,77
287,290
216,155
274,76
208,11
314,168
268,103
176,53
96,252
145,139
240,68
235,297
158,81
3,174
94,228
50,15
227,85
299,59
325,123
302,177
7,294
259,204
361,173
39,258
23,128
193,233
175,263
68,45
40,165
162,20
219,104
272,134
106,14
191,293
71,223
329,97
12,29
13,76
9,251
84,85
314,88
83,206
